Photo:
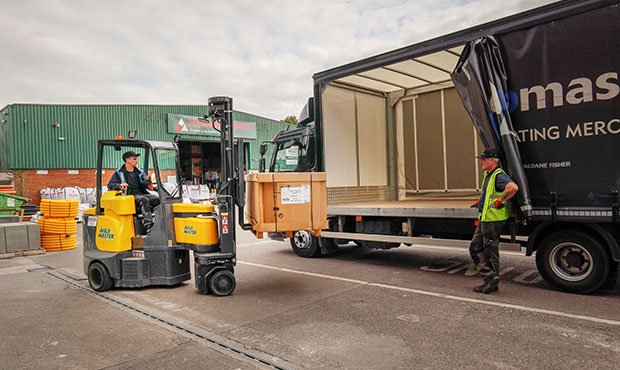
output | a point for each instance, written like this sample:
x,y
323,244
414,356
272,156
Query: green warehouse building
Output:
x,y
55,146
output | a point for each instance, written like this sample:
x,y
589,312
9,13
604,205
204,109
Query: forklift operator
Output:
x,y
133,181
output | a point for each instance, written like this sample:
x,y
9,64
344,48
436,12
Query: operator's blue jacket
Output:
x,y
115,180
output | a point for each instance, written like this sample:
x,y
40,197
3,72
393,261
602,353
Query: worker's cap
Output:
x,y
129,154
489,153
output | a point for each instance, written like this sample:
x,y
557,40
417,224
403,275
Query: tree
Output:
x,y
290,119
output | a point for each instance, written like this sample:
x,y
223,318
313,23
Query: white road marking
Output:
x,y
440,269
259,241
507,270
523,277
442,295
354,281
460,268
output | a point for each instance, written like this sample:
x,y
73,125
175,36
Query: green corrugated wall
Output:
x,y
4,139
29,140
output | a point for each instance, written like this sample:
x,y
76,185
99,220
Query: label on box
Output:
x,y
295,194
10,202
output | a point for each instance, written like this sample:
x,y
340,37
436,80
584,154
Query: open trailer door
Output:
x,y
481,80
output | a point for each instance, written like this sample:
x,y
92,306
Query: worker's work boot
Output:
x,y
491,285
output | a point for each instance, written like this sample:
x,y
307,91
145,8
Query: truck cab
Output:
x,y
293,150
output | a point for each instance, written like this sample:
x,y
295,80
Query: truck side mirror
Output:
x,y
261,163
262,149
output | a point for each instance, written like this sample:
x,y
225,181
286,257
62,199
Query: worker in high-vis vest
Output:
x,y
493,211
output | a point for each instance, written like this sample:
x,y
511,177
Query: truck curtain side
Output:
x,y
398,144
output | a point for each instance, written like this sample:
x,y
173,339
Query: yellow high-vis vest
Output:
x,y
489,212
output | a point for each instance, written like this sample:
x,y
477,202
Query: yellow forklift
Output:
x,y
118,253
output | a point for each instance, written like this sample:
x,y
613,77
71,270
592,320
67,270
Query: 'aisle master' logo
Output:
x,y
105,233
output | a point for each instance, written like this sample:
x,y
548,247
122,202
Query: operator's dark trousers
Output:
x,y
485,245
145,204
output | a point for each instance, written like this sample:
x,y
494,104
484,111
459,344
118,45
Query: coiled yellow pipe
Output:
x,y
52,243
57,226
59,208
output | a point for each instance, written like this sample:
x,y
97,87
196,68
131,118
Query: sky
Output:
x,y
261,53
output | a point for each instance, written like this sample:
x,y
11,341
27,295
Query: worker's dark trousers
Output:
x,y
485,244
145,204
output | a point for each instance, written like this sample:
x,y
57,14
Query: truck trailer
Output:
x,y
397,135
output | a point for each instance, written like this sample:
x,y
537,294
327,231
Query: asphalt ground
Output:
x,y
411,307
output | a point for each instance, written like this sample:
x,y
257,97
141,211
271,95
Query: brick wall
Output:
x,y
28,183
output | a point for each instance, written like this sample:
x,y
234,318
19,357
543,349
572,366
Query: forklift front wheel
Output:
x,y
99,277
222,283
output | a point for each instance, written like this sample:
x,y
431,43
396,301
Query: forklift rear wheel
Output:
x,y
222,283
99,277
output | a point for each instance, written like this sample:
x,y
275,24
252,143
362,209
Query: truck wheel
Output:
x,y
222,283
573,261
99,278
305,245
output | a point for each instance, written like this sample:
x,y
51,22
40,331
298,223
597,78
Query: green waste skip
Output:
x,y
10,204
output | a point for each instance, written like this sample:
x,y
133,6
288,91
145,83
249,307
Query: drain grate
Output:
x,y
198,334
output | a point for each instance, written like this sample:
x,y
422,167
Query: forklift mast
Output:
x,y
220,111
231,191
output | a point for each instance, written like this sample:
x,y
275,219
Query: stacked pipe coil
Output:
x,y
58,224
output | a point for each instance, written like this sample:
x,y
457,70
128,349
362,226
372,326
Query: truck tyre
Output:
x,y
305,244
222,283
99,278
573,261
